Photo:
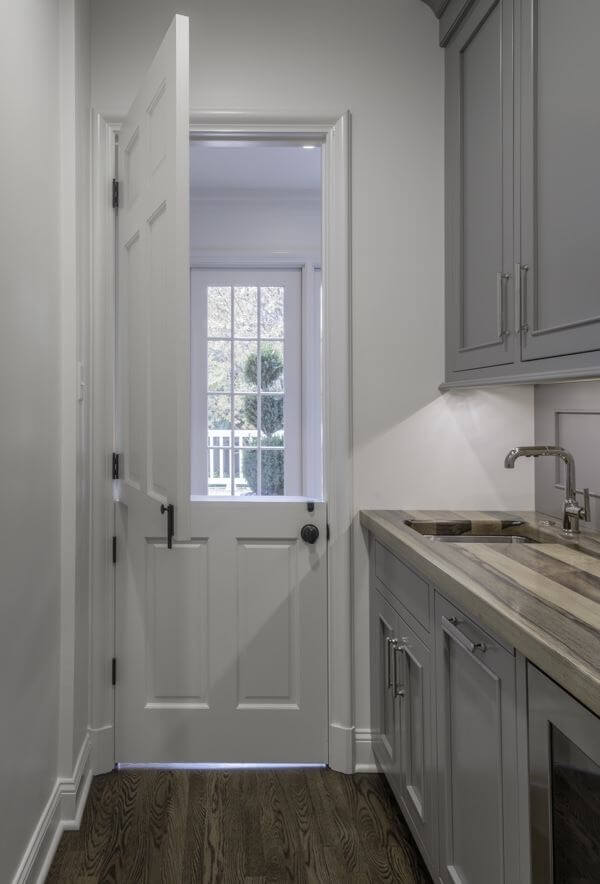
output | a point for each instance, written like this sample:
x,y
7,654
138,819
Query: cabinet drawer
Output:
x,y
408,588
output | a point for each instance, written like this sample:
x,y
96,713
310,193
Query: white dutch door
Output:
x,y
221,605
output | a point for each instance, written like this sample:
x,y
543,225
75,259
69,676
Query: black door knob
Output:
x,y
309,533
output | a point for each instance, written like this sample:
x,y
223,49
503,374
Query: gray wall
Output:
x,y
568,415
29,428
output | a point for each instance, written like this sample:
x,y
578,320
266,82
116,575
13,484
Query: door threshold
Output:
x,y
213,765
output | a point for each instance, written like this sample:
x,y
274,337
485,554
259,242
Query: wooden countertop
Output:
x,y
544,598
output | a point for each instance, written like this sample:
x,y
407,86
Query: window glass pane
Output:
x,y
271,311
244,368
219,366
219,412
245,421
245,308
219,311
245,472
272,472
271,366
271,420
219,471
219,421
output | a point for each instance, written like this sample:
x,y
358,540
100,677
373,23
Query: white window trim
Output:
x,y
337,397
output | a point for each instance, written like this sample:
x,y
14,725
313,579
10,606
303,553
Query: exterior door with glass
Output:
x,y
221,625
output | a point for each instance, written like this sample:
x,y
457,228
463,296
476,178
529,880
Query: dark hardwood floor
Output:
x,y
242,825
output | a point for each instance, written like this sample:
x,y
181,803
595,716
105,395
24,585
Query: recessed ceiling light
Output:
x,y
309,146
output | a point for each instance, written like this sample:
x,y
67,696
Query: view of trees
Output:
x,y
271,367
242,363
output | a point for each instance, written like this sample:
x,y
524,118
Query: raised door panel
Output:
x,y
479,173
384,708
176,628
417,725
153,282
268,625
560,188
476,753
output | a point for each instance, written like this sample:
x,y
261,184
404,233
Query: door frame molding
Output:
x,y
334,131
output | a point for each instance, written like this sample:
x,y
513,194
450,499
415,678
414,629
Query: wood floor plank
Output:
x,y
195,825
278,837
293,787
336,817
247,826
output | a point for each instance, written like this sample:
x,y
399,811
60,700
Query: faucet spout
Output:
x,y
572,512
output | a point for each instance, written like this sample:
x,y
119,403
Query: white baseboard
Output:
x,y
341,748
62,812
364,760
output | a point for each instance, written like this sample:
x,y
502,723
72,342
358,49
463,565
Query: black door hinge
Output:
x,y
114,671
115,193
115,465
114,550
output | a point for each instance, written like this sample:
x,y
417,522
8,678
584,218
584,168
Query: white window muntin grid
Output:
x,y
234,449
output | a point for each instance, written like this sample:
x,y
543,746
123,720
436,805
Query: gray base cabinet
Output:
x,y
444,726
384,672
402,709
477,753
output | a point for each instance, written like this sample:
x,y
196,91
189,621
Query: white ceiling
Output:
x,y
234,166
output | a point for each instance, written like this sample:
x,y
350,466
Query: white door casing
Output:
x,y
337,378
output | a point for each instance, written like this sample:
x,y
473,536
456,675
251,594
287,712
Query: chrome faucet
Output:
x,y
572,512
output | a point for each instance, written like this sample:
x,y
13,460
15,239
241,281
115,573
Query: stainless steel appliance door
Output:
x,y
564,785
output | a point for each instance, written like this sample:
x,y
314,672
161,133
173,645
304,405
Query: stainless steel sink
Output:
x,y
478,538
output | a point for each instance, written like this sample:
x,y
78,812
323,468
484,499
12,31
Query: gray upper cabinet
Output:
x,y
522,190
479,170
560,184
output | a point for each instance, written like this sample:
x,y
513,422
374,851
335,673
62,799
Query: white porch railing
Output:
x,y
220,456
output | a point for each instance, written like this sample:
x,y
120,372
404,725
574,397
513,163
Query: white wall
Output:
x,y
380,60
41,43
29,429
82,72
246,227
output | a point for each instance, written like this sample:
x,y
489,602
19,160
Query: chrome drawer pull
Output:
x,y
390,643
450,626
521,271
501,282
399,691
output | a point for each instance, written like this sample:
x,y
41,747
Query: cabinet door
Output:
x,y
384,675
560,185
479,188
477,760
417,729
